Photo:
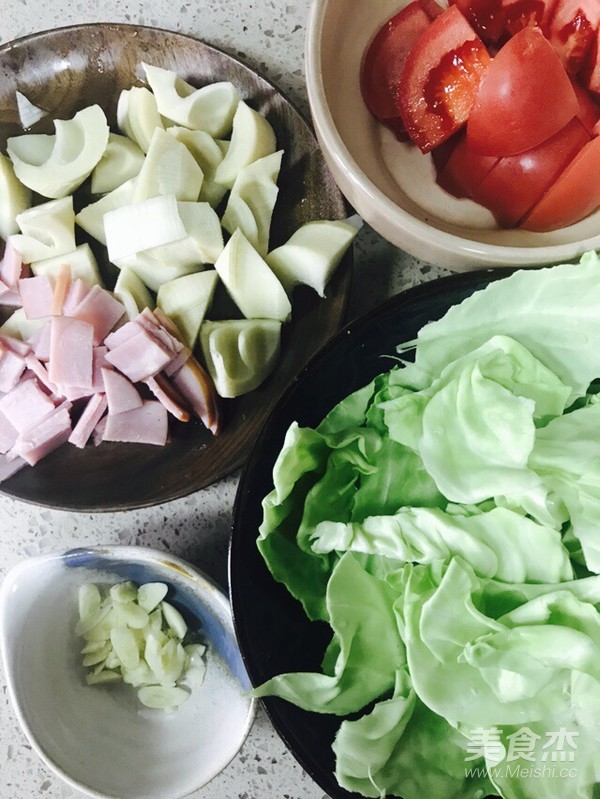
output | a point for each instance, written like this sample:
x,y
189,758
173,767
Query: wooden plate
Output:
x,y
67,69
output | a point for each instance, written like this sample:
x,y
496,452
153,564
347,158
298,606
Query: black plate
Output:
x,y
273,633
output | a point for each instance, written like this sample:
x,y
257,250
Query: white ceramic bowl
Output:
x,y
392,185
100,739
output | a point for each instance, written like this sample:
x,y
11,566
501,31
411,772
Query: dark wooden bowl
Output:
x,y
67,69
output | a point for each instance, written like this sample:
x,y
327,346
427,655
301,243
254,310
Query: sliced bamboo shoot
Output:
x,y
208,154
131,290
71,153
14,198
252,138
169,168
47,230
186,301
91,217
134,228
122,160
137,115
210,108
81,260
312,253
152,271
240,353
250,282
252,200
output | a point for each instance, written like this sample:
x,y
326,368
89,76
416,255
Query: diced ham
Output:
x,y
121,335
92,413
8,435
99,362
150,322
36,296
98,434
42,376
11,266
197,387
140,357
121,394
76,293
10,465
101,310
9,297
147,424
12,367
71,344
25,403
166,393
15,345
37,441
39,341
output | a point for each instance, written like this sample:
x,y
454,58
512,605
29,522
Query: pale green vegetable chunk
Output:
x,y
186,300
14,198
81,261
122,160
252,138
240,353
56,165
209,108
47,230
135,228
208,155
250,282
312,254
137,115
91,217
252,200
133,293
169,168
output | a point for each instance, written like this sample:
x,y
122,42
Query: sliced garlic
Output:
x,y
159,698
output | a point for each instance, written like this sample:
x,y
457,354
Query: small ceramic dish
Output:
x,y
100,739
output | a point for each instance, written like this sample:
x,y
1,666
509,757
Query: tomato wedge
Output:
x,y
486,16
518,182
524,98
432,8
573,196
384,61
519,14
464,170
589,111
440,79
590,74
572,31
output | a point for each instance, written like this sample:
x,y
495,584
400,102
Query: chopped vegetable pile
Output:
x,y
133,635
185,193
504,94
445,521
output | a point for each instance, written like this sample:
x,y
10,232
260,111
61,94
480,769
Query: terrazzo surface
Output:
x,y
269,36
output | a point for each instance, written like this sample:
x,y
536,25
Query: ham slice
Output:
x,y
8,435
11,266
140,356
71,343
166,393
9,465
12,367
147,424
39,440
61,289
121,394
36,296
93,412
99,309
39,342
75,294
198,389
26,402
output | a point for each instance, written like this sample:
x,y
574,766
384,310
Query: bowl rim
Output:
x,y
199,582
386,208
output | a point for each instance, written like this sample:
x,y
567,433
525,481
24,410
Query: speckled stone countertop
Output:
x,y
269,36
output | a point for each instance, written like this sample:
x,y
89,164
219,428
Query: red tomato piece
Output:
x,y
440,79
519,14
589,111
573,196
590,74
384,61
572,30
524,98
464,170
486,16
517,182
